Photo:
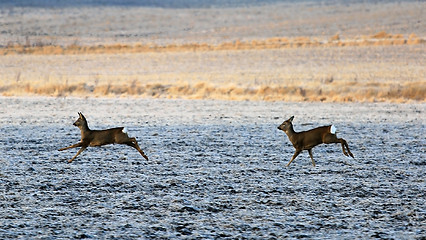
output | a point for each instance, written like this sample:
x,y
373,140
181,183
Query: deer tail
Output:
x,y
125,131
333,129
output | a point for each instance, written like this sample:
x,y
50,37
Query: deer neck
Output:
x,y
291,134
84,129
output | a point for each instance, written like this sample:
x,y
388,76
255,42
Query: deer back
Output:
x,y
310,138
107,136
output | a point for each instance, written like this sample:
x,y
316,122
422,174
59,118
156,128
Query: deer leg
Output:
x,y
332,138
312,157
72,146
78,153
294,156
347,147
343,147
135,145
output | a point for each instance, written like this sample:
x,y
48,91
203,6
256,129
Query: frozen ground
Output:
x,y
216,170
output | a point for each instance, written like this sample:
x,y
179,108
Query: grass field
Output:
x,y
351,73
307,51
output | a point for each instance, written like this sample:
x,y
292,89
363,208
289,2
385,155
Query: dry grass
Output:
x,y
379,39
333,92
391,73
307,51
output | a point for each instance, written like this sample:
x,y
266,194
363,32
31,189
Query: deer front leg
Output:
x,y
312,157
72,146
78,153
294,156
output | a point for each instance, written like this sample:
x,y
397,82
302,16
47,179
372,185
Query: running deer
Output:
x,y
306,140
96,138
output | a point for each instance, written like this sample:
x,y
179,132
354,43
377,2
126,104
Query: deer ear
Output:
x,y
291,119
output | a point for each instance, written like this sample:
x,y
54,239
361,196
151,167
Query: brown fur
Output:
x,y
306,140
96,138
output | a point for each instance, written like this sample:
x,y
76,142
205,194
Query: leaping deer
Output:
x,y
96,138
306,140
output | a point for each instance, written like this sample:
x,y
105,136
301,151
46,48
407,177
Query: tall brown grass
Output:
x,y
379,39
386,73
332,92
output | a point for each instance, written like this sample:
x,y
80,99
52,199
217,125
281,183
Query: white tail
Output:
x,y
94,138
333,129
308,139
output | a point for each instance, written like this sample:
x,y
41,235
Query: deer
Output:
x,y
306,140
97,138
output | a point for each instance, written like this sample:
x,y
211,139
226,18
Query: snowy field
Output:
x,y
216,170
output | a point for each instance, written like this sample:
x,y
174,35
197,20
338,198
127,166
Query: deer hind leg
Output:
x,y
294,156
134,143
78,153
312,157
347,147
332,138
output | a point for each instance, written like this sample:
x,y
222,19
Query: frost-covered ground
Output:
x,y
216,170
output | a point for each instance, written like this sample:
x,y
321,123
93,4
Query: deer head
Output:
x,y
287,124
81,121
